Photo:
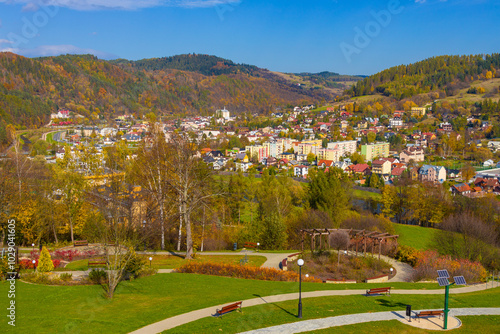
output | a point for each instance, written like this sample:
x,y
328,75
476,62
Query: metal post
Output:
x,y
300,293
446,310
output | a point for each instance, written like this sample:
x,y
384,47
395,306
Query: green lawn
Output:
x,y
367,195
172,262
470,324
49,138
83,309
285,312
415,236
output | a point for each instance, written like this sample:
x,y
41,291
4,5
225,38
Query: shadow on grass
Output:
x,y
388,303
277,306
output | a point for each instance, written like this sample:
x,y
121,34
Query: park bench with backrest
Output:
x,y
80,243
378,291
250,245
423,314
228,308
96,263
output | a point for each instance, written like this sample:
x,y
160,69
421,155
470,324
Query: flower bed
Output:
x,y
239,271
28,264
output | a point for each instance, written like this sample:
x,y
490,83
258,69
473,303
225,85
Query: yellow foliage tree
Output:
x,y
45,261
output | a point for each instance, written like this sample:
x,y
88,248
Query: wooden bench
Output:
x,y
228,308
250,245
284,264
378,291
97,263
422,314
80,243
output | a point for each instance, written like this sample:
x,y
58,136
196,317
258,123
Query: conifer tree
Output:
x,y
45,262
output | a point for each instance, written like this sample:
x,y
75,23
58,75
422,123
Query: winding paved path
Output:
x,y
350,319
185,318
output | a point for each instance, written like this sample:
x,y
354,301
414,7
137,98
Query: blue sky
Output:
x,y
348,37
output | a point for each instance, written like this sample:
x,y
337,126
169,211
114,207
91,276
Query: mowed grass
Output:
x,y
415,236
366,195
273,314
137,303
470,324
173,262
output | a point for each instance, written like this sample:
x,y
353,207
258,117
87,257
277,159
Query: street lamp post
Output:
x,y
33,245
34,267
392,270
144,233
150,259
258,244
300,262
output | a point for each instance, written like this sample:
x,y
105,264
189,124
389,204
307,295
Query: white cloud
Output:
x,y
56,50
118,4
30,7
5,41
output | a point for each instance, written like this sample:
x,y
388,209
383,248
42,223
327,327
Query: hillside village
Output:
x,y
304,138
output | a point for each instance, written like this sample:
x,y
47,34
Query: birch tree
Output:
x,y
189,181
151,172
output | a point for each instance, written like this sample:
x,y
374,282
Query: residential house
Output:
x,y
60,153
381,167
431,173
396,122
131,137
412,153
494,146
488,185
301,171
326,163
397,172
241,157
359,169
418,111
243,166
488,163
461,189
447,127
454,173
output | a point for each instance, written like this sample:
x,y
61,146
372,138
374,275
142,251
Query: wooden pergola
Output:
x,y
357,236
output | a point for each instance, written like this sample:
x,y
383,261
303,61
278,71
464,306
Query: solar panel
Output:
x,y
443,281
459,280
443,273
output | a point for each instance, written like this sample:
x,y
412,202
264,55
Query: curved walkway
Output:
x,y
185,318
273,259
350,319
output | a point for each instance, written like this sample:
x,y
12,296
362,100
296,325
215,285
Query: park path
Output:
x,y
404,272
350,319
185,318
273,260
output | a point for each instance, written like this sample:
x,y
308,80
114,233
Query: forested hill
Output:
x,y
30,89
199,63
448,73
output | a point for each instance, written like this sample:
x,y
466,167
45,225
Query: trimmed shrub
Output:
x,y
408,255
134,264
66,277
45,262
97,276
